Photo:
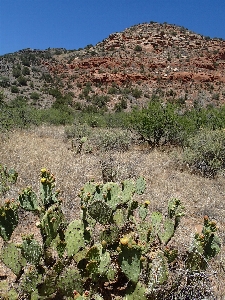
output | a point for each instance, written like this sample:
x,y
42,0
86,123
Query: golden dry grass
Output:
x,y
29,150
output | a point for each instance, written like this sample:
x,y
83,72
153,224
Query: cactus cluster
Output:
x,y
116,239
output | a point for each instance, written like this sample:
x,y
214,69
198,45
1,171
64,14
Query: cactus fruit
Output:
x,y
12,258
28,200
74,237
31,250
8,219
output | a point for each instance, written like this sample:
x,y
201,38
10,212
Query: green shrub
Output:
x,y
205,152
34,96
26,71
22,80
111,139
138,48
14,89
136,93
157,124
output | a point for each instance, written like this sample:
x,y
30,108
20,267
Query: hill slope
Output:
x,y
127,68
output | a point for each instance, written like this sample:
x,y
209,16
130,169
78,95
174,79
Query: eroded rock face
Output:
x,y
158,59
152,56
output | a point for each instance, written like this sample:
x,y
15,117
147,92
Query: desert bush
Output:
x,y
77,131
22,80
14,89
157,124
205,152
117,246
111,139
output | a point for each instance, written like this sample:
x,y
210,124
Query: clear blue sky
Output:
x,y
72,24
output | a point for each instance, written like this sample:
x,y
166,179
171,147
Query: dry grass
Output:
x,y
29,151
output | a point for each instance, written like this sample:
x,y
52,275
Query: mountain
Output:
x,y
128,68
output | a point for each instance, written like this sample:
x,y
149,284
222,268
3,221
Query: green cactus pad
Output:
x,y
50,223
48,285
129,261
137,293
110,234
140,185
143,212
31,251
30,280
128,190
74,237
119,217
28,200
159,271
100,211
8,219
94,253
104,264
112,191
156,219
167,233
12,258
70,280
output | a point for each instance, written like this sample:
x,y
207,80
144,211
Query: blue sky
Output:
x,y
72,24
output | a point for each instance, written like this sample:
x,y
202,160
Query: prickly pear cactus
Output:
x,y
168,232
100,211
205,246
31,250
8,219
175,211
140,185
6,178
136,293
12,258
129,259
69,281
50,224
74,237
159,271
47,194
28,199
47,287
30,280
143,210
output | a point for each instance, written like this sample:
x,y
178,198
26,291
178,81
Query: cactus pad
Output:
x,y
28,200
100,211
31,250
8,219
12,258
74,237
